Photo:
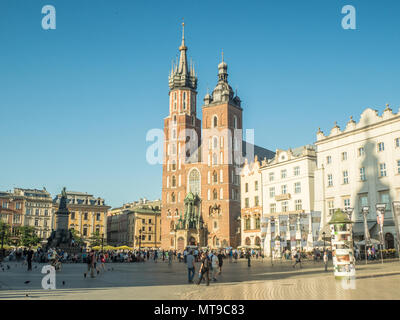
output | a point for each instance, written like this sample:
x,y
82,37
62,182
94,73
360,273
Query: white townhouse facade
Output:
x,y
360,166
251,204
288,199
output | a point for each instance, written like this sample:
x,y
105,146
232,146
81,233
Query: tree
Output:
x,y
95,239
28,236
77,238
5,233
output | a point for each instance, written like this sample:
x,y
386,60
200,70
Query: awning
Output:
x,y
358,227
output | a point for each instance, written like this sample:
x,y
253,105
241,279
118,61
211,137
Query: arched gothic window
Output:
x,y
215,195
194,181
215,177
173,181
173,197
215,122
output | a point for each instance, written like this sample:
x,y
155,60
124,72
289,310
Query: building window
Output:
x,y
283,174
398,166
298,205
346,203
385,198
345,177
297,187
246,187
72,215
331,208
215,122
215,143
363,200
256,201
18,206
215,177
5,205
36,222
37,211
215,195
256,185
382,169
344,156
284,206
85,216
271,192
362,174
296,171
272,208
361,151
284,189
247,224
173,197
173,181
271,176
330,180
28,211
97,216
16,218
246,203
258,223
46,212
328,160
149,238
381,146
215,159
397,142
235,122
84,232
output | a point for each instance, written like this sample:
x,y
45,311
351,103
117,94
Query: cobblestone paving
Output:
x,y
160,281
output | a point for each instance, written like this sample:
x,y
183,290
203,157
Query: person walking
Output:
x,y
204,269
214,264
248,257
326,260
170,257
190,266
297,256
220,261
29,256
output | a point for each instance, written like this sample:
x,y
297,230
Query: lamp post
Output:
x,y
349,212
102,242
140,238
364,212
380,213
323,236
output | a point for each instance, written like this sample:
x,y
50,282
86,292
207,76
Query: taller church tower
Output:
x,y
182,134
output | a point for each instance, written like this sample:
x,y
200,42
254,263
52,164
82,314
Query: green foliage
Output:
x,y
27,236
77,238
95,240
4,227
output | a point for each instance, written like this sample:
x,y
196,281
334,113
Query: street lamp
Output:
x,y
364,212
102,242
380,213
323,236
140,238
349,212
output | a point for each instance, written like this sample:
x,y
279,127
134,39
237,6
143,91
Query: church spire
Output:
x,y
183,75
183,69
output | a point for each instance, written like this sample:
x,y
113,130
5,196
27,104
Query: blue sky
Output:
x,y
76,102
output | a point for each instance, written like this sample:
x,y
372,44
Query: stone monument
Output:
x,y
61,237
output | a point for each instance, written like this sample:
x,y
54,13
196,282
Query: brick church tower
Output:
x,y
200,183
